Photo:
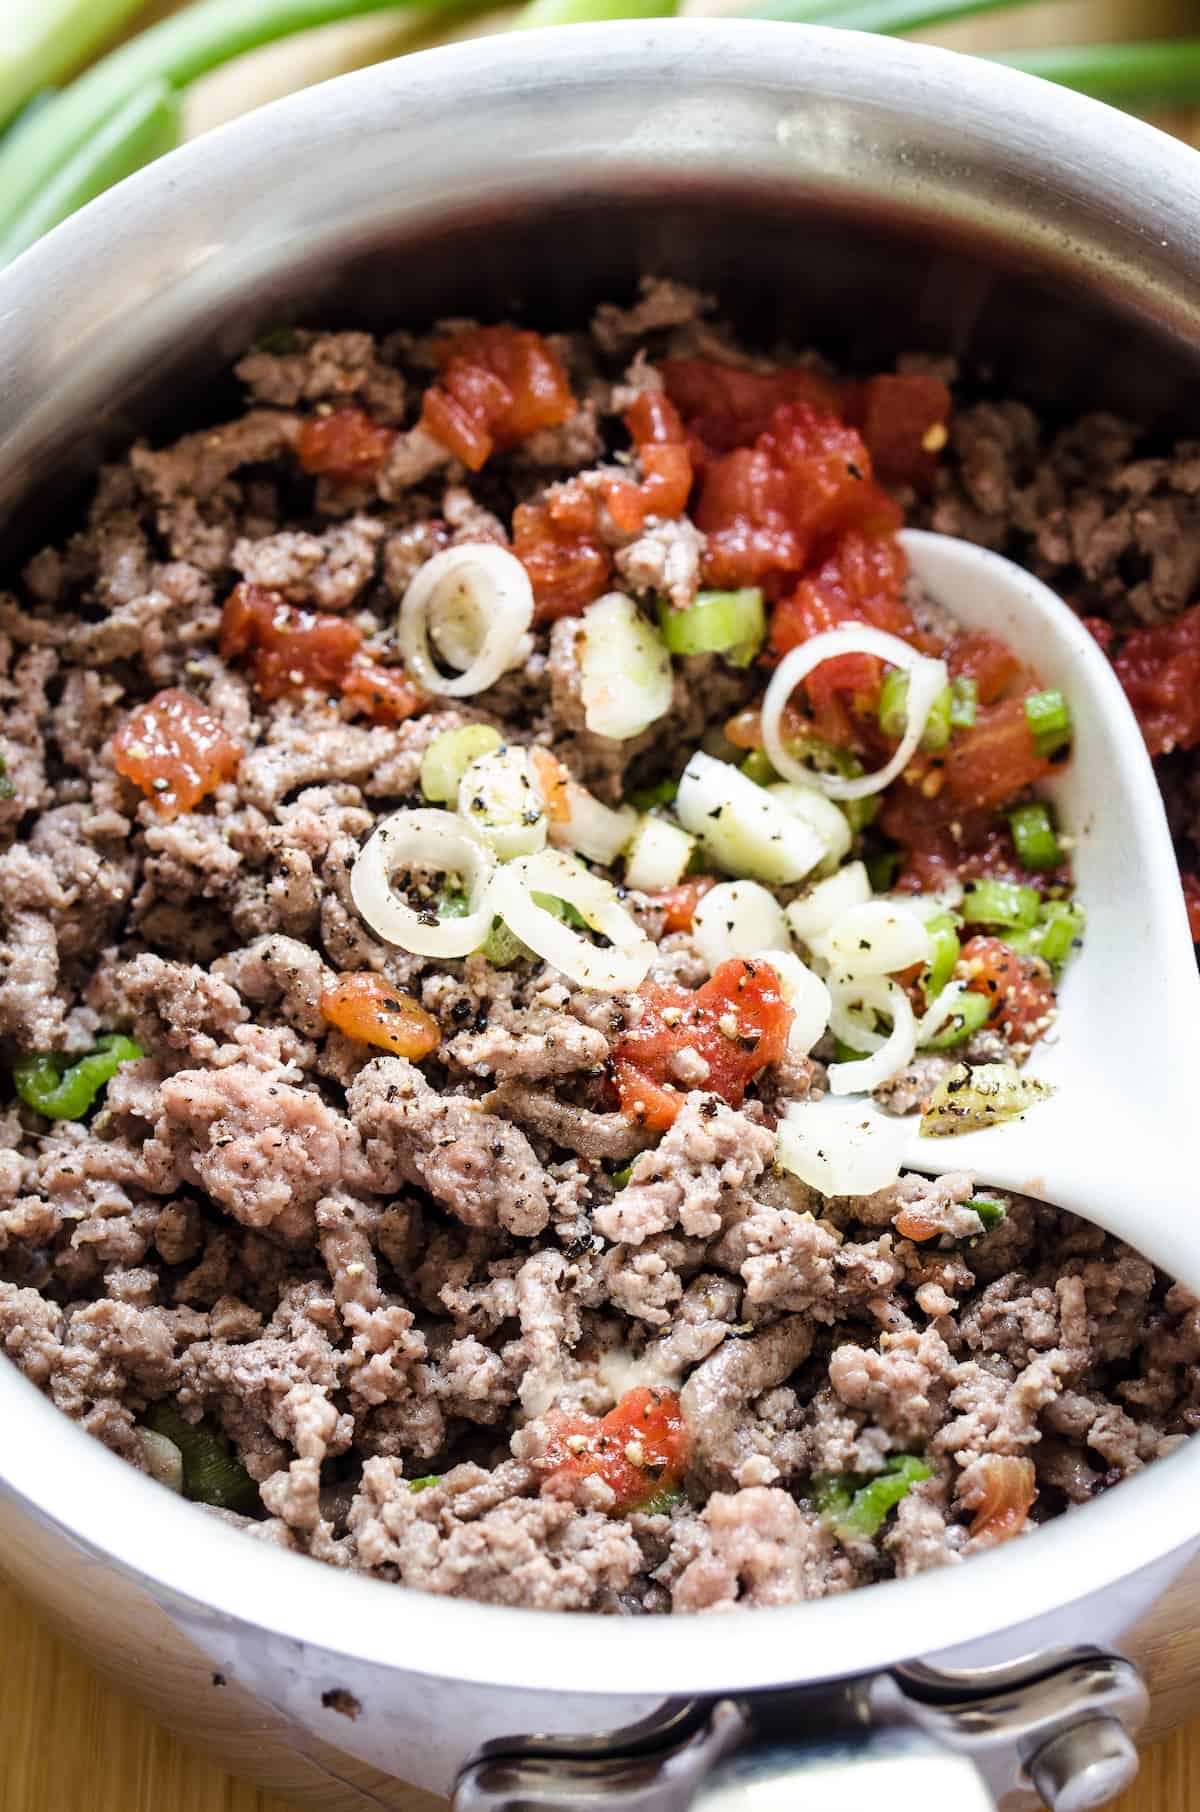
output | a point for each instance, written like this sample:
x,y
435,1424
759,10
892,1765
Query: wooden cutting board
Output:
x,y
69,1742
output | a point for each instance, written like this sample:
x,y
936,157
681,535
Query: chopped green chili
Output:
x,y
990,1209
1049,720
621,1177
1033,836
1000,903
943,953
425,1481
856,1506
645,798
1057,934
212,1472
66,1093
968,1016
730,623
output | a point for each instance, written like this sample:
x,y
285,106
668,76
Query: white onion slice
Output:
x,y
432,840
625,678
738,918
592,830
841,1147
827,819
623,965
888,1056
744,830
878,937
814,912
497,797
658,855
478,593
805,993
926,679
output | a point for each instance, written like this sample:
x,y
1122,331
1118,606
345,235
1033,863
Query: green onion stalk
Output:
x,y
44,40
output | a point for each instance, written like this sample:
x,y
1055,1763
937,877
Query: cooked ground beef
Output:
x,y
365,1273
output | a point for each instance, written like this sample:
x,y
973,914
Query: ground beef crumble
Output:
x,y
362,1272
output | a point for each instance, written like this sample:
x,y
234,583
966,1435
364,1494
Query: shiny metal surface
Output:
x,y
1085,1766
866,192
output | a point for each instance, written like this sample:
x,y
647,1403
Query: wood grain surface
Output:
x,y
68,1741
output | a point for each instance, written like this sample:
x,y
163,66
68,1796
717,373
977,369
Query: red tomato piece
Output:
x,y
1000,1490
345,445
366,1007
768,508
384,694
678,904
176,750
639,1449
657,432
738,1022
860,582
1160,671
988,661
558,543
1191,899
984,767
1021,992
289,648
496,386
726,406
903,421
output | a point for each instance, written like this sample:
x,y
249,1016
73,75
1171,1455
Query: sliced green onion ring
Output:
x,y
1049,720
1000,903
732,623
480,596
879,994
624,964
1033,836
926,679
449,756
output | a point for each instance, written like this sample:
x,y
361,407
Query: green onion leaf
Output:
x,y
1000,903
662,1503
425,1481
44,40
621,1177
990,1209
964,702
66,1093
1033,836
449,756
856,1506
1049,721
893,712
732,623
1060,931
212,1473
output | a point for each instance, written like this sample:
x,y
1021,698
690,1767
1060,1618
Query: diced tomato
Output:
x,y
903,421
1020,991
767,509
657,432
1191,899
639,1449
678,904
176,750
988,661
345,445
291,649
553,783
738,1022
1000,1490
939,846
384,694
558,543
366,1007
984,767
1160,671
859,582
496,386
726,406
1102,630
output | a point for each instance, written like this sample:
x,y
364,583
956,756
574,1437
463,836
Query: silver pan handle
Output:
x,y
859,1771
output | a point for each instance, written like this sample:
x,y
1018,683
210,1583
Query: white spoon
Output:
x,y
1119,1142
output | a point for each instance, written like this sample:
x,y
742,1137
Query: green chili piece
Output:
x,y
425,1481
622,1176
645,798
1033,836
67,1094
990,1209
212,1472
871,1503
1000,903
964,702
943,953
969,1016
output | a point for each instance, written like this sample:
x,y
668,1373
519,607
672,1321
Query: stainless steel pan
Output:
x,y
866,193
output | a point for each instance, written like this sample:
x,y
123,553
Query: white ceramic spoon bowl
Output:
x,y
1119,1142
